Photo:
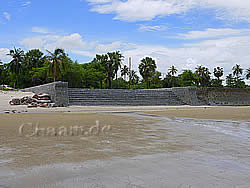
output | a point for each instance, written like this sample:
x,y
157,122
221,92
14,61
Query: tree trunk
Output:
x,y
17,80
116,81
109,83
147,83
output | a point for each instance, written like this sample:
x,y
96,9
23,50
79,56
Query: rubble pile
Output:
x,y
37,100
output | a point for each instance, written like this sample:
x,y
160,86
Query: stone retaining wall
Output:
x,y
123,97
224,96
63,96
57,90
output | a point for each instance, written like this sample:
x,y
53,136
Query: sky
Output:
x,y
184,33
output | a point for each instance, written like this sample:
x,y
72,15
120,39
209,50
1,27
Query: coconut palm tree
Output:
x,y
124,71
56,63
34,59
118,58
146,68
134,77
203,74
172,70
16,62
237,71
248,74
106,61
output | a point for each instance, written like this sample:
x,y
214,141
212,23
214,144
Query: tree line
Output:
x,y
35,68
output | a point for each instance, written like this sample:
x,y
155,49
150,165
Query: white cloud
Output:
x,y
213,33
31,43
222,52
73,41
3,54
225,52
7,15
84,53
141,10
104,48
40,30
27,3
143,27
51,42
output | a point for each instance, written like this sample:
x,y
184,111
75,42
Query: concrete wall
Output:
x,y
57,90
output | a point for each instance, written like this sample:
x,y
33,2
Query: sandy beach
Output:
x,y
166,146
201,112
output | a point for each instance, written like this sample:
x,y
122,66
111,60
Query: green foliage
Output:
x,y
172,70
234,82
35,68
56,61
216,83
147,69
15,65
187,78
171,81
218,72
248,74
203,76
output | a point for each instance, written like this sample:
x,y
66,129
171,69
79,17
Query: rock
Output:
x,y
33,105
15,102
44,101
41,100
44,105
51,105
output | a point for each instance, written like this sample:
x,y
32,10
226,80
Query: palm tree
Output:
x,y
56,63
124,71
218,72
107,62
134,77
203,74
146,68
172,70
1,69
15,64
237,71
34,59
248,74
230,80
118,58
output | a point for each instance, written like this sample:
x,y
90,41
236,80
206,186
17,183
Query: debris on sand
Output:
x,y
38,100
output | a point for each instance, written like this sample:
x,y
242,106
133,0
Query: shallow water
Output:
x,y
147,151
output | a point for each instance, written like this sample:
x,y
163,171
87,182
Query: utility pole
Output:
x,y
130,71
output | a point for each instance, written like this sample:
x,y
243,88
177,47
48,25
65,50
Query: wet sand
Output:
x,y
178,146
138,151
212,113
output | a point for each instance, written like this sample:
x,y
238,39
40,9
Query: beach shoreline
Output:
x,y
234,113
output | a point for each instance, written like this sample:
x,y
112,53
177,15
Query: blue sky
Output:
x,y
181,33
